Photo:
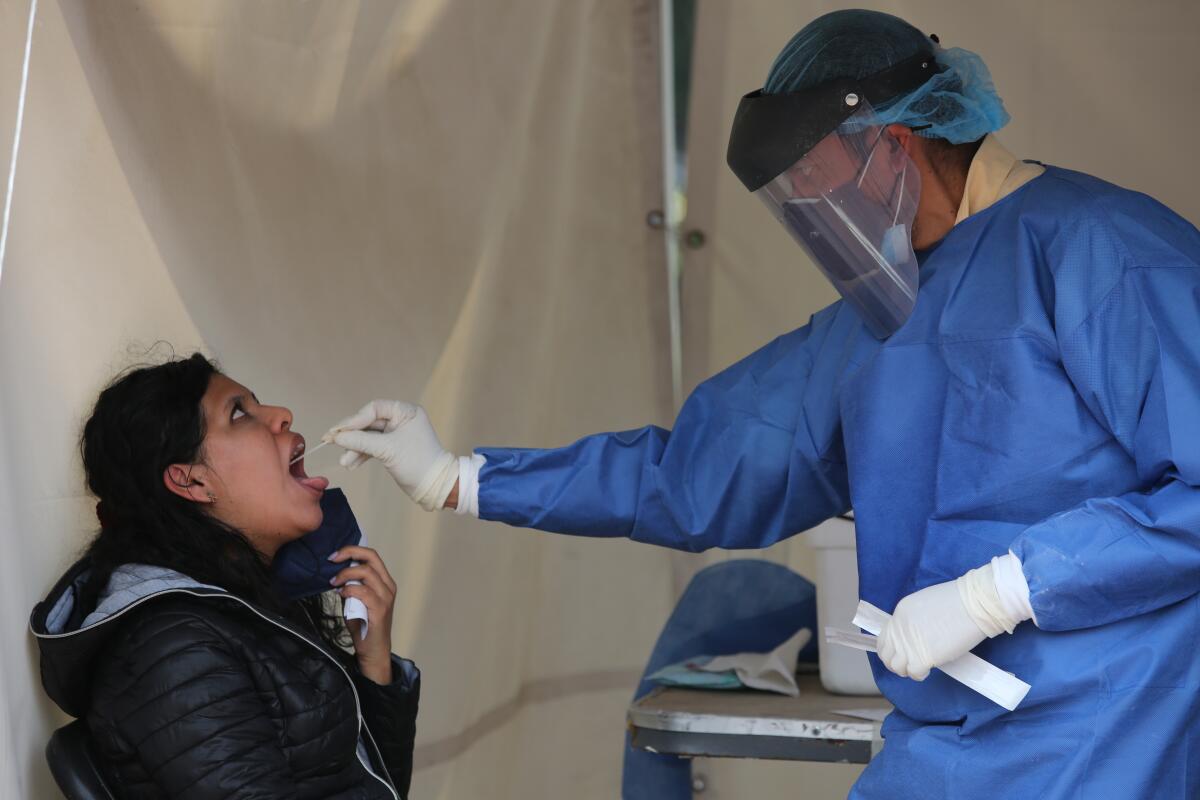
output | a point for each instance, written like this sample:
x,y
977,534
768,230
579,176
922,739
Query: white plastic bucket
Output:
x,y
843,669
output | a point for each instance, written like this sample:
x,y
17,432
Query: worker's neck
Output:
x,y
942,187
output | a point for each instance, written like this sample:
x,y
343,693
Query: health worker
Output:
x,y
1007,395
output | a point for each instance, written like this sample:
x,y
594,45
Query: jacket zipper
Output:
x,y
362,727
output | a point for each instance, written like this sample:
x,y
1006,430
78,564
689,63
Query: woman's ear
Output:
x,y
188,481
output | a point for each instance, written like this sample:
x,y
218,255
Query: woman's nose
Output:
x,y
281,419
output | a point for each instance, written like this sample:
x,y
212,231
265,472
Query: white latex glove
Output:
x,y
939,623
400,435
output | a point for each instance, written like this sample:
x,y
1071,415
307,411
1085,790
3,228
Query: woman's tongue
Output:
x,y
318,483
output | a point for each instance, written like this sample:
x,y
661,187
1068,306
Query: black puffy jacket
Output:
x,y
190,692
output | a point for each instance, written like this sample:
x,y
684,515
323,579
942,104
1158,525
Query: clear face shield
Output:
x,y
850,202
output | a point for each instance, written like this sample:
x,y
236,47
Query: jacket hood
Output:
x,y
71,635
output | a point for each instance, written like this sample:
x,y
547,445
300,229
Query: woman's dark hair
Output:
x,y
145,420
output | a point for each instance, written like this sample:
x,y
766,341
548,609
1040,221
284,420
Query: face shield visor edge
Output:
x,y
840,184
850,202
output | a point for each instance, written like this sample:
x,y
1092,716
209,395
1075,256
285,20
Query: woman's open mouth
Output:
x,y
315,485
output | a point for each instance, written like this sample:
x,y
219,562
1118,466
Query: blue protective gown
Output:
x,y
1044,397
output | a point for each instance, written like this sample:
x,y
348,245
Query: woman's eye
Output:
x,y
238,413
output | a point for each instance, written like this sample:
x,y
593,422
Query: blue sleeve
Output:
x,y
1134,358
755,456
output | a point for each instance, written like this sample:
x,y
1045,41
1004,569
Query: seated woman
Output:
x,y
196,678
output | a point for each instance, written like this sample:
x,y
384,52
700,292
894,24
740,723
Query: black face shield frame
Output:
x,y
772,132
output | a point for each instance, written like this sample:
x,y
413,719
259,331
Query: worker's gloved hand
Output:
x,y
400,435
940,623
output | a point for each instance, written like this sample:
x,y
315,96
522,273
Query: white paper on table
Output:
x,y
1002,688
772,672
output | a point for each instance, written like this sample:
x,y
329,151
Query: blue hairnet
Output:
x,y
959,104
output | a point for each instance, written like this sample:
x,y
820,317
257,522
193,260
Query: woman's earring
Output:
x,y
212,498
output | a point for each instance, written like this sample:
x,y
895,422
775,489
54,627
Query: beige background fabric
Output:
x,y
444,201
440,201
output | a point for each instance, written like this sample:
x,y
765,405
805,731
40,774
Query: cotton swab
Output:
x,y
307,453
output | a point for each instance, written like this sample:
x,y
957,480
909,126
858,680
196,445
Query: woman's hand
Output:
x,y
378,594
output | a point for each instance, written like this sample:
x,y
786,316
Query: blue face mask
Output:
x,y
302,568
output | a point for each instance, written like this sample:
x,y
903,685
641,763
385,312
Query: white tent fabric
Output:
x,y
444,201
